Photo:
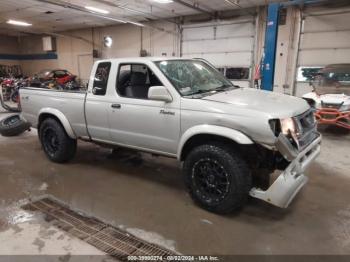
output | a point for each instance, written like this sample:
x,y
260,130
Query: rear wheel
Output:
x,y
218,179
57,145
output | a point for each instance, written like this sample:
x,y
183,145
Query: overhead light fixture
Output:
x,y
97,10
136,23
20,23
112,19
163,1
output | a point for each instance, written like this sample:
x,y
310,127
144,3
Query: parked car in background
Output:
x,y
331,95
61,76
226,136
58,79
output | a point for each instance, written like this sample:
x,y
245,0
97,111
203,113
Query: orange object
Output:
x,y
332,116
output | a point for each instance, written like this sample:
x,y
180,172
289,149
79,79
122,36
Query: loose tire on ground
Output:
x,y
13,126
57,145
218,179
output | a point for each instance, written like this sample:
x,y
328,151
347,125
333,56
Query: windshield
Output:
x,y
191,77
333,79
43,73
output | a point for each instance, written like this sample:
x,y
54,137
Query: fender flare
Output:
x,y
61,117
226,132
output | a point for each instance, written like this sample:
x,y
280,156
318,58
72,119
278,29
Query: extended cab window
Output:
x,y
101,78
134,81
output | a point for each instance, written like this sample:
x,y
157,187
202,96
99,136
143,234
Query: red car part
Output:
x,y
8,82
65,79
332,116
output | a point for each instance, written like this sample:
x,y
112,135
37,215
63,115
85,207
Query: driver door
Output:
x,y
139,122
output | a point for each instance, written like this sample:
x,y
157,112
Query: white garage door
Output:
x,y
85,63
325,39
227,45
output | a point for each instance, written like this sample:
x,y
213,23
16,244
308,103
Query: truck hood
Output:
x,y
275,104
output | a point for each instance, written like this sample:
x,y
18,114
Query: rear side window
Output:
x,y
101,79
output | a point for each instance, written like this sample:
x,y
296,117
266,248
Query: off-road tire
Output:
x,y
13,126
57,145
236,173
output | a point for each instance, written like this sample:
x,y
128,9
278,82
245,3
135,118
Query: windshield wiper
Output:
x,y
222,88
200,91
212,91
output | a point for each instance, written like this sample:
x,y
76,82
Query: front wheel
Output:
x,y
218,179
58,146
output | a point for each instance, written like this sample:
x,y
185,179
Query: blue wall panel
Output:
x,y
29,56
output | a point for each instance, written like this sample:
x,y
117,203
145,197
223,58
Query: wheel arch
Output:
x,y
200,134
59,116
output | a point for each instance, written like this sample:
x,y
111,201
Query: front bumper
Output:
x,y
333,116
289,183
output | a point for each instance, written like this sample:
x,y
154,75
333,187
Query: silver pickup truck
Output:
x,y
230,139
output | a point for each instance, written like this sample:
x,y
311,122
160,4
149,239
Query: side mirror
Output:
x,y
98,91
159,93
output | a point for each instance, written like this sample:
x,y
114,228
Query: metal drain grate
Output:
x,y
104,237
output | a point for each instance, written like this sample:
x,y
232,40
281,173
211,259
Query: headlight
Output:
x,y
288,126
290,129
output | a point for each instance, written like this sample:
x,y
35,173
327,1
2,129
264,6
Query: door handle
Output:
x,y
116,106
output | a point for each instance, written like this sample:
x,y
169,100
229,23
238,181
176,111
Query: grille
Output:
x,y
307,121
307,127
109,239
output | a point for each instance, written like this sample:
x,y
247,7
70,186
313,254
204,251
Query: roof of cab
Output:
x,y
142,59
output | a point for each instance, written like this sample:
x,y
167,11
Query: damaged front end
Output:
x,y
299,143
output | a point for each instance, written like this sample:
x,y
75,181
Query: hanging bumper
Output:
x,y
288,184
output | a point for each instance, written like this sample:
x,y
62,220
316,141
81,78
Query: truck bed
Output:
x,y
69,103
